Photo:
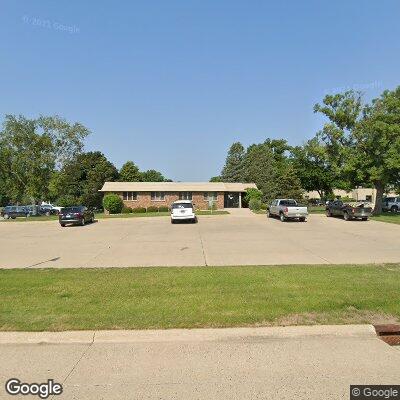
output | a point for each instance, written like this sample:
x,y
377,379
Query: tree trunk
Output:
x,y
379,197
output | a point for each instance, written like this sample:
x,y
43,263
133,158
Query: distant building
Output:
x,y
359,194
148,194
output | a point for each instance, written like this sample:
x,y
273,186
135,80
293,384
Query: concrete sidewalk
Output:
x,y
316,362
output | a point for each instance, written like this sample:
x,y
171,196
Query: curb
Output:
x,y
188,335
389,333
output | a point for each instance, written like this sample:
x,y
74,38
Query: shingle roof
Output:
x,y
176,187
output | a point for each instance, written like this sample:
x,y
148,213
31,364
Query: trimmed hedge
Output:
x,y
126,210
139,210
152,209
163,209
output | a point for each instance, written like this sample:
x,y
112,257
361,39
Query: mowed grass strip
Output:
x,y
110,216
144,298
392,218
157,214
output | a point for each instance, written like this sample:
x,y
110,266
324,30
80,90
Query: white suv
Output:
x,y
182,210
391,204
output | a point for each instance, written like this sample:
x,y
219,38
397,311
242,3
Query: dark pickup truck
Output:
x,y
349,211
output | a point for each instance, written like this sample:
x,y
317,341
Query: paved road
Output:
x,y
240,238
245,363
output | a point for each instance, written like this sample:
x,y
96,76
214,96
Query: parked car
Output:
x,y
287,209
77,215
391,204
316,202
357,210
34,210
183,210
49,209
14,212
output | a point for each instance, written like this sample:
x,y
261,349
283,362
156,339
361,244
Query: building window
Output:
x,y
129,195
185,195
210,196
157,196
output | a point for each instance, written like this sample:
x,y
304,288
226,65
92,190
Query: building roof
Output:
x,y
176,187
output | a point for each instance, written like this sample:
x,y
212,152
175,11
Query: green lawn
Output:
x,y
133,215
317,210
104,216
30,219
143,298
393,218
157,214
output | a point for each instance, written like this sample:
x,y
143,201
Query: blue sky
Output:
x,y
171,84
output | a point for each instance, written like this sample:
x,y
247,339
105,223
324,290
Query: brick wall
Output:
x,y
202,204
144,200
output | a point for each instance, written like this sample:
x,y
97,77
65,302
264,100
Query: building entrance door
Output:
x,y
231,200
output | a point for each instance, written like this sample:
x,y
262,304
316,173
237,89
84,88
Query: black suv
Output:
x,y
14,212
76,215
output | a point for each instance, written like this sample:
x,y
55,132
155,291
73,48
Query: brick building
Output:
x,y
157,194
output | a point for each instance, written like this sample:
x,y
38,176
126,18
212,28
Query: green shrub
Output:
x,y
263,206
126,210
252,193
139,210
113,203
255,204
152,209
163,209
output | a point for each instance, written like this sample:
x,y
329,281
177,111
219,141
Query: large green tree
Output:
x,y
259,166
67,139
233,170
267,165
312,166
288,184
377,144
363,141
4,199
279,148
287,181
152,175
83,177
129,172
30,149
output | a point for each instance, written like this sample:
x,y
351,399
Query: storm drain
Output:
x,y
390,334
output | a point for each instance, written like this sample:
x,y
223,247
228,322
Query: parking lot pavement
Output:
x,y
243,363
236,239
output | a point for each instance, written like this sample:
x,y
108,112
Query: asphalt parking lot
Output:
x,y
235,239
